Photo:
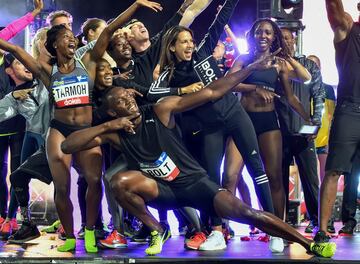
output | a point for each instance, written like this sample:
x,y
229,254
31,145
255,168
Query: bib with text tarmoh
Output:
x,y
163,168
71,91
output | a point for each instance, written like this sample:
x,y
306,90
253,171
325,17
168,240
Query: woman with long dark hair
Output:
x,y
257,98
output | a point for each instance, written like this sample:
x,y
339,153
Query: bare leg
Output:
x,y
132,189
328,191
60,169
228,206
270,144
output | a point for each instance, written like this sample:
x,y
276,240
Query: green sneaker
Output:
x,y
156,242
53,228
326,250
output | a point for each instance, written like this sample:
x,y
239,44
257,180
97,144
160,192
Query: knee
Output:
x,y
93,180
62,191
120,183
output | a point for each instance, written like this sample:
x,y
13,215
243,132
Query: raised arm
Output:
x,y
101,44
340,21
16,26
37,69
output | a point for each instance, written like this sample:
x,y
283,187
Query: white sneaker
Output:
x,y
215,241
276,245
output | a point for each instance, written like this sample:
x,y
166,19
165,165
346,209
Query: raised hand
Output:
x,y
150,4
133,92
123,76
266,62
39,5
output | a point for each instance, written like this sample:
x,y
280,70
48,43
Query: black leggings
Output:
x,y
238,126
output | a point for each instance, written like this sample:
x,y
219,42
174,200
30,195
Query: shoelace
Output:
x,y
197,236
154,240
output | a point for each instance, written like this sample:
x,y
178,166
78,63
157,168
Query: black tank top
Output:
x,y
159,151
348,64
268,77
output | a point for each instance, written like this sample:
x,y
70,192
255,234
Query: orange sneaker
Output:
x,y
114,240
195,241
14,225
2,220
6,229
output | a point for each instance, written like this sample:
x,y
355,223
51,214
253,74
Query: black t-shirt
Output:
x,y
158,150
348,64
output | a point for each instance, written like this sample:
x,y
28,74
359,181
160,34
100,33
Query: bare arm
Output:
x,y
297,71
29,62
293,101
98,135
340,21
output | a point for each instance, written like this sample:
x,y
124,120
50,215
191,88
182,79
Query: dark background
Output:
x,y
244,14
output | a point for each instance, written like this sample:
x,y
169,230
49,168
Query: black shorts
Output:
x,y
264,121
344,137
65,129
37,166
198,193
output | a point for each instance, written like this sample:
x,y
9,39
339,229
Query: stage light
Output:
x,y
280,9
242,45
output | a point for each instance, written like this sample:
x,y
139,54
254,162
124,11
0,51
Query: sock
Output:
x,y
25,213
90,241
70,244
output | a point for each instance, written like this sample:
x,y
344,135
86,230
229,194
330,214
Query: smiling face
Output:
x,y
62,20
139,32
264,36
184,46
121,103
66,43
121,49
104,75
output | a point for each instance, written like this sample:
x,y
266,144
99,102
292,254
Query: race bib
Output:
x,y
71,91
163,168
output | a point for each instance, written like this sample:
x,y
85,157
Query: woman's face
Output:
x,y
98,30
104,75
264,36
184,46
66,43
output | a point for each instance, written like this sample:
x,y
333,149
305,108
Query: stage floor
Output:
x,y
43,250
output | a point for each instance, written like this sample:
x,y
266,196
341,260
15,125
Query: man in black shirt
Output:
x,y
162,171
344,135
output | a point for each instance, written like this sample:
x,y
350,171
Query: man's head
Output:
x,y
289,39
139,32
119,48
315,59
118,102
16,70
60,17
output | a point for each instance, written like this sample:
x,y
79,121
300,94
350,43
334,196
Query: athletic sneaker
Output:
x,y
143,235
81,233
114,240
321,237
326,249
52,228
14,224
6,229
156,242
348,228
2,220
313,225
195,241
61,233
331,227
276,245
215,241
27,232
